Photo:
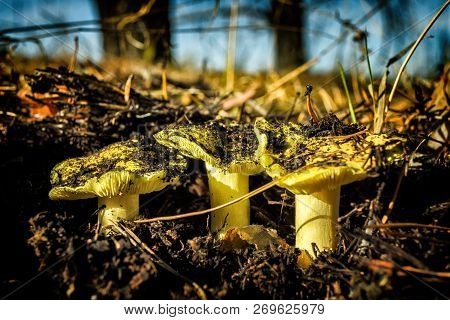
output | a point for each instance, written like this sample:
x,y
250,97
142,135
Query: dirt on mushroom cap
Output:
x,y
140,158
317,154
228,146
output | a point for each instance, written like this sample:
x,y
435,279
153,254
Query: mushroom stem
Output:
x,y
223,187
316,217
121,207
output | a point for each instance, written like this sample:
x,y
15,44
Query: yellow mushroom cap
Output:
x,y
129,167
312,164
226,146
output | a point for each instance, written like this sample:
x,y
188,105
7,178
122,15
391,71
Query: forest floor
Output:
x,y
394,228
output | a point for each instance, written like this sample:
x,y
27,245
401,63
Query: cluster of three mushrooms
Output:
x,y
313,168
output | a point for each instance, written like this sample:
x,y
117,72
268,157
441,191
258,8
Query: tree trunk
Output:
x,y
152,29
287,20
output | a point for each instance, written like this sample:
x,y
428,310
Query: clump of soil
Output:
x,y
330,125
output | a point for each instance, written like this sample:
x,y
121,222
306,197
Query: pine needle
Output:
x,y
201,212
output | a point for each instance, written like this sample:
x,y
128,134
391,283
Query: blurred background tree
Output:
x,y
287,20
271,35
144,31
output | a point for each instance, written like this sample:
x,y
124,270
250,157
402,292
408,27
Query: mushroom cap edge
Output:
x,y
113,183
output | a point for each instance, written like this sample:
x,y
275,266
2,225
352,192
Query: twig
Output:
x,y
289,115
293,74
201,212
406,225
397,189
111,106
375,264
413,49
240,99
397,251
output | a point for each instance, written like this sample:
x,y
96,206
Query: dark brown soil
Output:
x,y
50,249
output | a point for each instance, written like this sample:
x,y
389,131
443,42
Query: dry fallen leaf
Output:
x,y
257,235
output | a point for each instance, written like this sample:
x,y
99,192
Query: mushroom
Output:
x,y
315,163
228,151
116,175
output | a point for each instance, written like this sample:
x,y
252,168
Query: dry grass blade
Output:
x,y
413,49
127,89
292,75
201,212
399,54
350,105
371,86
381,108
240,99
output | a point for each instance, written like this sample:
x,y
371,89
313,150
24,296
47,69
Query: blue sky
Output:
x,y
254,47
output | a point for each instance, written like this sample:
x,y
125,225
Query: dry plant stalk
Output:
x,y
73,60
232,45
413,49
